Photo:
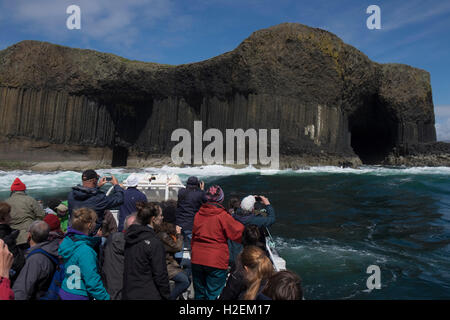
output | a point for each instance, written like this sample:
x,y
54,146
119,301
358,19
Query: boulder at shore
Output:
x,y
332,104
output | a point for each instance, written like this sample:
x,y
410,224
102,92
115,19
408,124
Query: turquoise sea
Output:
x,y
332,223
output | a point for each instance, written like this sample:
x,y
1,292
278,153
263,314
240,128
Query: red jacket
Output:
x,y
5,290
213,226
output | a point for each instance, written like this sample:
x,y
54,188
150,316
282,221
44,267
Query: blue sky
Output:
x,y
181,31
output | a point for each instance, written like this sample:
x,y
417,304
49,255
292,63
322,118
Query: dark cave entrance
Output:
x,y
119,157
129,113
373,132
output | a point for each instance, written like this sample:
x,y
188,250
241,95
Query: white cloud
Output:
x,y
101,20
411,12
442,114
442,111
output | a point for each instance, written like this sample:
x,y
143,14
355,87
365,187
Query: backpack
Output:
x,y
58,276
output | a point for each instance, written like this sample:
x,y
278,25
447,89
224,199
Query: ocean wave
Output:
x,y
39,180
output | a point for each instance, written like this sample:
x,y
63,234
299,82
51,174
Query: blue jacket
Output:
x,y
190,200
80,259
258,220
93,198
130,197
248,219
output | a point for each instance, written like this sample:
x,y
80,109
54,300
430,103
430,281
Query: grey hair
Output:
x,y
126,224
39,231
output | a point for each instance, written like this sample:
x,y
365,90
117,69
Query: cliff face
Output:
x,y
327,98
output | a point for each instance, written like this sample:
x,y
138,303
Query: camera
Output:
x,y
258,199
108,179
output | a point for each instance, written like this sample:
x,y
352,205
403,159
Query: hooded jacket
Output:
x,y
24,210
131,196
36,276
213,226
80,259
190,200
9,236
94,198
248,218
112,268
145,272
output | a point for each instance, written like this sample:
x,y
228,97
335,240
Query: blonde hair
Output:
x,y
259,267
82,217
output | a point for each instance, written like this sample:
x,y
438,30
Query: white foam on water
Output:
x,y
327,250
40,180
205,171
377,170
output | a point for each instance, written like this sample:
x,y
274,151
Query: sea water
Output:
x,y
332,223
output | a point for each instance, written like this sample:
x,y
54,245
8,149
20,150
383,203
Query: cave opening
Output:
x,y
373,132
119,157
129,114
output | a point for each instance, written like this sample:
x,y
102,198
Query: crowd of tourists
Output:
x,y
192,248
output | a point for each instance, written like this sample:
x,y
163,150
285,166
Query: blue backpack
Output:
x,y
58,276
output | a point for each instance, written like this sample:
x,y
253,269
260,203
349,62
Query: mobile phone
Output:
x,y
258,199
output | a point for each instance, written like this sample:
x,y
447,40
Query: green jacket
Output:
x,y
24,210
64,222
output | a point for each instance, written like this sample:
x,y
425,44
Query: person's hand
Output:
x,y
202,185
114,180
6,260
264,200
102,182
178,229
99,233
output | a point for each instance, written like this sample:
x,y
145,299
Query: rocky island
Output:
x,y
67,108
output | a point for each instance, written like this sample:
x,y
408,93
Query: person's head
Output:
x,y
169,209
257,266
215,194
233,204
192,182
53,222
89,178
129,220
284,285
38,232
251,236
53,204
62,210
5,213
18,185
132,181
149,213
248,203
84,220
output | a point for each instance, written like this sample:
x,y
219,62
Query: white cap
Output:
x,y
248,203
132,181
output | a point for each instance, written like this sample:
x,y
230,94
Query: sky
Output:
x,y
414,32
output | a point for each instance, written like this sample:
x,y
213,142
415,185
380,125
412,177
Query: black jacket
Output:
x,y
190,200
9,236
145,271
